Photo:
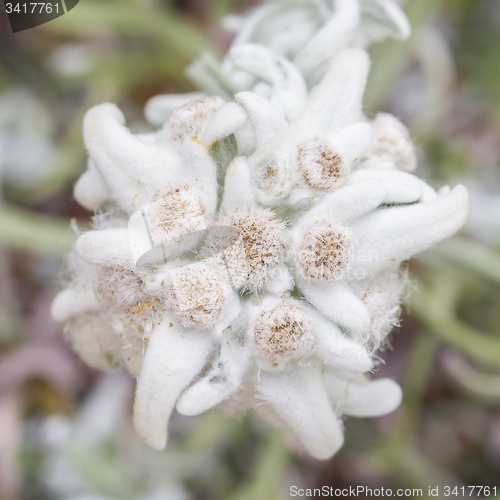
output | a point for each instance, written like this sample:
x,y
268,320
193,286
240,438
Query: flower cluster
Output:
x,y
249,251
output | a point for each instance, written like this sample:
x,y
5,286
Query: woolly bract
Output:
x,y
249,251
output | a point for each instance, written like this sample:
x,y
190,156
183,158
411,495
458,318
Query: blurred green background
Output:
x,y
65,431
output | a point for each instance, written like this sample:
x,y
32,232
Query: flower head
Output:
x,y
256,242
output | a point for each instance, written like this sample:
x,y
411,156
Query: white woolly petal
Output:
x,y
303,198
336,348
90,190
381,19
291,31
335,34
397,233
132,355
173,358
352,142
281,282
428,193
338,303
253,19
159,108
401,187
300,400
221,382
230,311
107,247
363,398
289,91
206,74
72,302
203,172
92,339
344,205
245,140
226,120
132,169
269,125
191,118
391,146
238,186
337,99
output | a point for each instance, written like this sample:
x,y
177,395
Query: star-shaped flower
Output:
x,y
251,248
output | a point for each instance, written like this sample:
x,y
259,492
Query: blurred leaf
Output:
x,y
435,307
180,36
476,256
390,58
107,476
270,466
37,233
478,383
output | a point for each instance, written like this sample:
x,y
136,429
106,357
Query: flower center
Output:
x,y
192,117
326,251
259,249
196,295
392,140
283,333
322,167
176,214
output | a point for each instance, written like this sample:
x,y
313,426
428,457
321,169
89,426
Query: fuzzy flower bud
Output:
x,y
284,333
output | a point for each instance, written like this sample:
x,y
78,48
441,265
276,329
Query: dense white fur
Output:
x,y
225,121
360,397
289,91
336,33
73,302
173,357
338,303
221,382
336,101
299,398
107,247
311,182
400,187
90,190
132,169
399,233
159,108
338,349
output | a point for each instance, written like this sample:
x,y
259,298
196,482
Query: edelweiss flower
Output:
x,y
250,250
307,33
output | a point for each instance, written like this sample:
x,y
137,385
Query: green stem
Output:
x,y
478,383
475,256
181,37
435,307
417,378
42,234
271,465
400,454
390,58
